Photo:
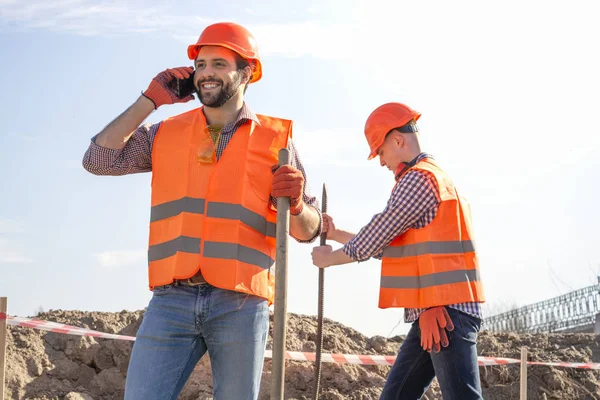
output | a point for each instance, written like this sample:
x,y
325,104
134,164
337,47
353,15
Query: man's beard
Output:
x,y
226,92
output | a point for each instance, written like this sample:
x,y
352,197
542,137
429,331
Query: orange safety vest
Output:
x,y
215,217
435,265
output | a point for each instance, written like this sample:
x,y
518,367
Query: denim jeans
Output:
x,y
454,366
181,323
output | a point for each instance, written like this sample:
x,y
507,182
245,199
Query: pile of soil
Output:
x,y
45,365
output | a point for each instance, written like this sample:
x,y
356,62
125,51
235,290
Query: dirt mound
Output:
x,y
45,365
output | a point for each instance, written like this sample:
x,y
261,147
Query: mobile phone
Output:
x,y
183,87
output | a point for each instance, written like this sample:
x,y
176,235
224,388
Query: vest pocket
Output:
x,y
259,176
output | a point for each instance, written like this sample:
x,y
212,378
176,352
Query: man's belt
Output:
x,y
195,280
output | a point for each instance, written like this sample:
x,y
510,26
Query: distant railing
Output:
x,y
567,312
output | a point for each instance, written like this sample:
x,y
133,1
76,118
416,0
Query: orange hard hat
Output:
x,y
385,118
234,37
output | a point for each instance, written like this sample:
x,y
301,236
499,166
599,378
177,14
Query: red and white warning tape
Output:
x,y
485,361
367,359
567,365
338,358
60,328
290,355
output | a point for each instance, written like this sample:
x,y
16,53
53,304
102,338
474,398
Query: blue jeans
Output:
x,y
455,366
181,323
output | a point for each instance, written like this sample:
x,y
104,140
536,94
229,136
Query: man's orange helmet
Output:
x,y
385,118
233,37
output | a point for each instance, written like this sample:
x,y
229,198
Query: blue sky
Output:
x,y
509,96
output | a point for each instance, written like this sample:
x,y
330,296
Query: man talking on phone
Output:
x,y
215,185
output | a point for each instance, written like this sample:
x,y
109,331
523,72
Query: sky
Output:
x,y
509,96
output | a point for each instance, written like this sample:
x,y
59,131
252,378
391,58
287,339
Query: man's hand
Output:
x,y
329,227
321,256
162,90
289,182
433,324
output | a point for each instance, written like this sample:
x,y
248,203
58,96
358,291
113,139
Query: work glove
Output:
x,y
163,88
433,323
289,182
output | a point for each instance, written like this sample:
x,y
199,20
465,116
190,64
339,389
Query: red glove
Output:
x,y
289,182
163,88
433,323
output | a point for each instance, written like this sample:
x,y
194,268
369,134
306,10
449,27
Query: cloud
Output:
x,y
8,225
334,147
113,259
299,39
323,39
69,164
13,257
95,18
441,32
308,38
21,136
11,253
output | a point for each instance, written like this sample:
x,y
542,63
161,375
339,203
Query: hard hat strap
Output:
x,y
408,128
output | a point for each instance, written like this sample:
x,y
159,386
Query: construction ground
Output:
x,y
46,365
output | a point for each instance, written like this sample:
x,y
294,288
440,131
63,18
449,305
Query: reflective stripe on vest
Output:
x,y
426,281
228,251
184,244
417,249
239,212
176,207
215,210
234,251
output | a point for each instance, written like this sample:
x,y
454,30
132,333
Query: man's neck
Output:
x,y
225,114
412,155
405,165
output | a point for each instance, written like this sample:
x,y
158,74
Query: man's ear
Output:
x,y
399,138
247,72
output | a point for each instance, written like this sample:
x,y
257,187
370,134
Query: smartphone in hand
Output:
x,y
183,87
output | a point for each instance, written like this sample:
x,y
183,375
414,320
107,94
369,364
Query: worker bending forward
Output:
x,y
429,266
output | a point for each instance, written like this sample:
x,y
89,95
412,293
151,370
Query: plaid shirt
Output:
x,y
136,156
413,204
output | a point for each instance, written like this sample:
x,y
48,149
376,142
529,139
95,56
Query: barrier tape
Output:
x,y
365,359
61,328
567,365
